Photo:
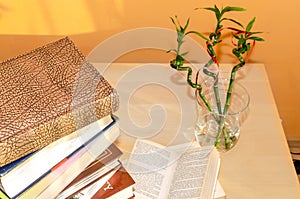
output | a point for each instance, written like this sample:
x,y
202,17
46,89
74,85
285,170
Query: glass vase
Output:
x,y
212,126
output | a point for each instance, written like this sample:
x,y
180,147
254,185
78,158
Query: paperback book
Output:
x,y
106,162
182,171
120,184
64,172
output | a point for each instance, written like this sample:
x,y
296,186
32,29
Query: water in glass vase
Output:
x,y
215,128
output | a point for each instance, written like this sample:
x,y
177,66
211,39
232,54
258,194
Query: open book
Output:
x,y
182,171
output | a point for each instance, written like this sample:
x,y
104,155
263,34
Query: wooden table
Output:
x,y
258,167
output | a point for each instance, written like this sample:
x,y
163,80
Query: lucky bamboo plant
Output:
x,y
243,42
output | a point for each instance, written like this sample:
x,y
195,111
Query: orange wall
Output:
x,y
24,26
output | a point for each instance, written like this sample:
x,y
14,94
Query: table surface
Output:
x,y
157,104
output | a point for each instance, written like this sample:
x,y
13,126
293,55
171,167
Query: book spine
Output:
x,y
98,141
10,166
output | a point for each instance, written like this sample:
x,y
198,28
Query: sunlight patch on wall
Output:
x,y
56,17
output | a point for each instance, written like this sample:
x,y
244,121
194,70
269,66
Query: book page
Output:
x,y
91,190
219,191
189,174
183,171
149,165
60,176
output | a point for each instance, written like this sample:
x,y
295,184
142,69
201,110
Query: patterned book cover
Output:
x,y
46,94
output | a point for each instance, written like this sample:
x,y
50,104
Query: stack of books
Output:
x,y
106,177
57,127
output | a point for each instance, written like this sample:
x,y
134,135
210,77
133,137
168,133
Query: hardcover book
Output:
x,y
8,167
120,184
46,94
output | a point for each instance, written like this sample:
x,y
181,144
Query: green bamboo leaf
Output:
x,y
173,21
215,10
236,36
178,22
250,24
199,34
185,53
256,38
172,50
248,47
230,8
218,13
241,41
186,25
253,33
234,21
211,9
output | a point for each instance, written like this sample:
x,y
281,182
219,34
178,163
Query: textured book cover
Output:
x,y
46,94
